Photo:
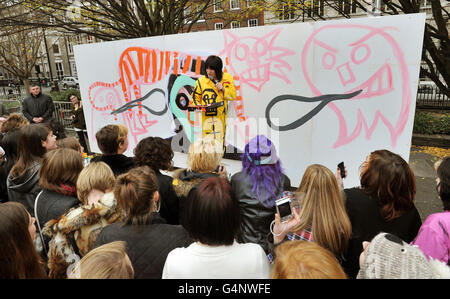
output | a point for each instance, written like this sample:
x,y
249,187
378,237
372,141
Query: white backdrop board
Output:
x,y
297,84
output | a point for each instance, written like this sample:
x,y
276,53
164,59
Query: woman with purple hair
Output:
x,y
257,187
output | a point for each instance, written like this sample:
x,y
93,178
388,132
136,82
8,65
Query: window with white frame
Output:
x,y
187,15
316,7
425,3
286,12
70,45
235,24
218,5
73,66
234,4
59,70
218,26
350,6
193,12
252,22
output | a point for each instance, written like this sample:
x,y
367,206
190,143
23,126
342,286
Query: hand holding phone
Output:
x,y
284,208
342,169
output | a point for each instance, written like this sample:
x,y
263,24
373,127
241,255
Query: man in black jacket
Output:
x,y
38,107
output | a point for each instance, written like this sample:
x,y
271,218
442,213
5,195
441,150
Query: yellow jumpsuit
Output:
x,y
205,93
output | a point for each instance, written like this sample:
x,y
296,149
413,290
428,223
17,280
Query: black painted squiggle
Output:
x,y
324,100
134,103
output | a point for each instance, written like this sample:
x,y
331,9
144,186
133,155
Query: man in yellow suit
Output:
x,y
216,89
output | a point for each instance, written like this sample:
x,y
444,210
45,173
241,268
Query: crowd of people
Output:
x,y
138,217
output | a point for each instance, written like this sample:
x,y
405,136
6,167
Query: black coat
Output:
x,y
147,246
78,121
255,217
365,217
40,106
170,208
119,163
24,189
184,181
52,205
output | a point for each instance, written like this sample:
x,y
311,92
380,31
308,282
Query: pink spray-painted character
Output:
x,y
366,59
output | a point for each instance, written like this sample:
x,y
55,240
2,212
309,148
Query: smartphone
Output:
x,y
284,208
342,169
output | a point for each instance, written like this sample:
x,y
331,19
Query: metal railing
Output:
x,y
430,97
63,113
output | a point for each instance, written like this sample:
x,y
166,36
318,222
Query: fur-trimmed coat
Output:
x,y
183,181
74,233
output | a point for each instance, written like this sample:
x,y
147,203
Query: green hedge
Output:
x,y
61,96
431,123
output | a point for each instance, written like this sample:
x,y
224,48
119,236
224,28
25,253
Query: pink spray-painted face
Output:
x,y
256,59
363,58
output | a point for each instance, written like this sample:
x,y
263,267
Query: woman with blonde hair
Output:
x,y
203,161
149,238
109,261
305,260
74,233
322,217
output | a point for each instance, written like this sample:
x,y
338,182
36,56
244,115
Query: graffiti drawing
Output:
x,y
324,89
352,63
255,59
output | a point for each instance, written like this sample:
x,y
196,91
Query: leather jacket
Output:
x,y
255,217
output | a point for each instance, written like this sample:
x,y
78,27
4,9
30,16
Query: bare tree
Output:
x,y
113,19
19,47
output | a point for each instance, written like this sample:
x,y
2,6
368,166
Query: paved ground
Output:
x,y
427,200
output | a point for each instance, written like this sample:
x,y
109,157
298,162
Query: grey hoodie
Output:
x,y
24,189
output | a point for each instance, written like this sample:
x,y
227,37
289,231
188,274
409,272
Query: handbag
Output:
x,y
38,224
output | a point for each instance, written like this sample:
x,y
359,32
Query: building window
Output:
x,y
286,12
252,22
55,48
218,5
218,26
235,24
90,39
59,70
251,3
69,45
350,6
316,7
191,13
73,66
425,3
234,4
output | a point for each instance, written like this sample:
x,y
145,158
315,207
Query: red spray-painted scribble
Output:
x,y
343,65
139,66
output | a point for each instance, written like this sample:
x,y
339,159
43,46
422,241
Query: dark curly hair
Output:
x,y
154,152
443,173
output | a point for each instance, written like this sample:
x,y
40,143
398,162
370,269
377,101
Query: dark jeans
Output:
x,y
82,140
